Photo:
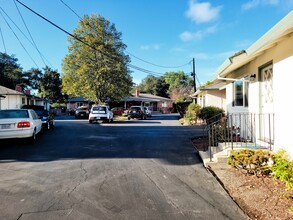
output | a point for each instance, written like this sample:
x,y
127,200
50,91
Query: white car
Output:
x,y
19,123
148,111
100,113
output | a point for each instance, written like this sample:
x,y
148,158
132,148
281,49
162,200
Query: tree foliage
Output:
x,y
149,85
50,85
181,93
10,71
177,79
162,88
96,68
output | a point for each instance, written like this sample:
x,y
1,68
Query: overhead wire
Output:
x,y
18,39
23,34
29,33
3,41
80,40
170,67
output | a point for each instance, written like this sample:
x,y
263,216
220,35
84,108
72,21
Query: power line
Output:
x,y
126,50
29,33
55,25
80,40
71,9
24,34
3,41
18,38
169,67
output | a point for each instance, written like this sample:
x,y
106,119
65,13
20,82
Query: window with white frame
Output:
x,y
240,93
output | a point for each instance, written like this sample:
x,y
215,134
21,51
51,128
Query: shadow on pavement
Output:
x,y
81,140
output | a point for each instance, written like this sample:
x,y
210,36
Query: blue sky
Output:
x,y
167,33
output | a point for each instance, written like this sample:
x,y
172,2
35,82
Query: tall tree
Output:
x,y
96,66
162,88
10,71
33,78
149,85
176,79
181,93
50,85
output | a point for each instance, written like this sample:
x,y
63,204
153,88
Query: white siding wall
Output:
x,y
11,101
283,82
216,98
281,56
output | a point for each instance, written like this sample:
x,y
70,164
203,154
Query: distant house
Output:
x,y
258,88
10,98
75,102
212,95
157,103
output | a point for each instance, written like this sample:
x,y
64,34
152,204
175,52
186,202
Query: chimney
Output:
x,y
18,88
27,92
136,93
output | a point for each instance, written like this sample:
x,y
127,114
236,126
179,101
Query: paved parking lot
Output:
x,y
123,170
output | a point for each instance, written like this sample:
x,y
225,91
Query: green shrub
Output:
x,y
252,161
193,108
283,168
189,117
208,112
181,107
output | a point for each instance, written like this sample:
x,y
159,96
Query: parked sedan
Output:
x,y
19,123
47,119
148,111
118,110
82,112
136,112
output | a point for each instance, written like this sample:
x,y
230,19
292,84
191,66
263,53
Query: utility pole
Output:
x,y
193,74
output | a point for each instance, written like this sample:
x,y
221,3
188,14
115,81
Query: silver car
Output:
x,y
19,123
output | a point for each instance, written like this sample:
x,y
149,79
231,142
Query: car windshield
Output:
x,y
135,108
83,108
14,114
42,113
99,108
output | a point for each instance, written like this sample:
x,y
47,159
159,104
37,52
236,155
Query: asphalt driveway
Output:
x,y
123,170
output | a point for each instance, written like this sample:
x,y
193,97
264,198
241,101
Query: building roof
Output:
x,y
78,99
216,86
7,91
145,97
282,29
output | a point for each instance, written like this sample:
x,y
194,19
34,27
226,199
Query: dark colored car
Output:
x,y
47,119
118,110
82,112
136,112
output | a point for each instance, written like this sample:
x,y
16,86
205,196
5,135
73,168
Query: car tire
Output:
x,y
33,138
128,118
48,127
90,121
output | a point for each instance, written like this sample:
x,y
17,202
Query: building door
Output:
x,y
266,117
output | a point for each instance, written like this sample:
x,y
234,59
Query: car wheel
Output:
x,y
128,118
33,138
48,126
90,121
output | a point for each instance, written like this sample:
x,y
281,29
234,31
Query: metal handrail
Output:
x,y
250,129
